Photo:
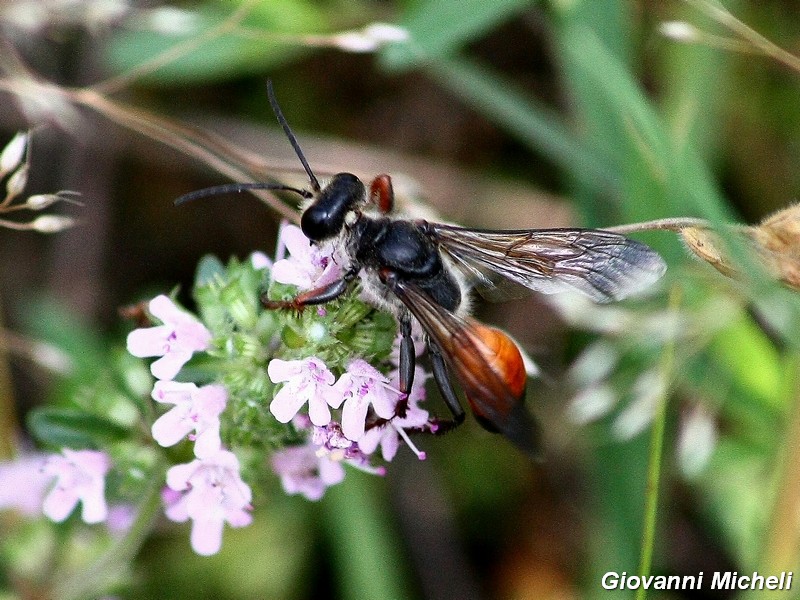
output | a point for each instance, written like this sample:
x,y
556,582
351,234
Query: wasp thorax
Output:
x,y
325,218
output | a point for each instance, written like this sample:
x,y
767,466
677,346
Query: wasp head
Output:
x,y
325,217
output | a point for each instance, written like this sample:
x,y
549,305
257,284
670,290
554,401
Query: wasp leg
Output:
x,y
442,378
320,295
408,357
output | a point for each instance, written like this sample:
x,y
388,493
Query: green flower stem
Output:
x,y
655,459
362,540
93,581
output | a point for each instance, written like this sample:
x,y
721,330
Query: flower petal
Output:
x,y
179,475
59,504
286,404
168,365
298,245
206,536
172,392
166,310
289,272
208,442
95,509
318,410
283,370
149,341
354,417
171,427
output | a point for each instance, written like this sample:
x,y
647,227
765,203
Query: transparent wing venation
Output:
x,y
603,265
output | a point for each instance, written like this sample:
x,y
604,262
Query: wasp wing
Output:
x,y
493,383
601,264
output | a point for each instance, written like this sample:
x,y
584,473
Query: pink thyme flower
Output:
x,y
196,410
361,386
389,434
309,265
307,380
213,494
23,484
80,477
304,470
179,336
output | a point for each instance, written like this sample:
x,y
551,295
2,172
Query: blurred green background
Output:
x,y
506,114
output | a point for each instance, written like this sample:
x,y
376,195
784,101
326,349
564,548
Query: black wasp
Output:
x,y
422,270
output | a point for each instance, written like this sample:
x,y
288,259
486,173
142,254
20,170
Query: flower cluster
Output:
x,y
318,390
237,394
313,392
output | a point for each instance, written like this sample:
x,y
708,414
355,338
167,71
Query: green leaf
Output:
x,y
70,428
53,323
748,355
438,28
258,44
735,496
533,123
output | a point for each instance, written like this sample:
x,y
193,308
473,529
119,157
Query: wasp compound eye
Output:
x,y
324,219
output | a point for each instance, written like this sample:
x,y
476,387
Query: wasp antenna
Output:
x,y
292,139
230,188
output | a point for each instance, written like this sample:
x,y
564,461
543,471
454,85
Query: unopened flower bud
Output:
x,y
680,31
52,223
387,33
354,41
12,154
52,358
42,201
370,38
17,182
169,20
696,441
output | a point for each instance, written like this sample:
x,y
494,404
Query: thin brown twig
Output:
x,y
205,146
202,145
668,224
